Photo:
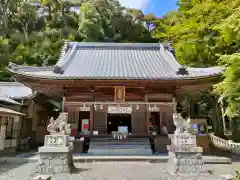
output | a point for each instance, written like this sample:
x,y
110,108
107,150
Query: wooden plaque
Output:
x,y
119,93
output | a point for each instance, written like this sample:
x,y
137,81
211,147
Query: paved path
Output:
x,y
108,171
161,158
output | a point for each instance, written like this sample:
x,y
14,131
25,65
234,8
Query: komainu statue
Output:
x,y
182,125
58,126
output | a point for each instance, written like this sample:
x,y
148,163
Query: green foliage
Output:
x,y
237,177
207,33
229,88
33,34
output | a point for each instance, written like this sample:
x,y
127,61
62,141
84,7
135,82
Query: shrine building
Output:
x,y
106,86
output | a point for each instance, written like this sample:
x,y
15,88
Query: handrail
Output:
x,y
223,144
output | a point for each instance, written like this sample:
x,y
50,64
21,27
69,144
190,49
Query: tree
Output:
x,y
33,33
107,20
206,33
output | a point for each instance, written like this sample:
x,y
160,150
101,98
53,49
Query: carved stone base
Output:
x,y
184,155
55,160
182,162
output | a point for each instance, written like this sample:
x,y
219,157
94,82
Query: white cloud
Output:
x,y
138,4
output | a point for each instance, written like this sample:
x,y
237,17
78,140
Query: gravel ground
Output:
x,y
112,171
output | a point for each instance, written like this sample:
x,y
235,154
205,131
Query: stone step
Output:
x,y
120,152
120,143
110,139
118,147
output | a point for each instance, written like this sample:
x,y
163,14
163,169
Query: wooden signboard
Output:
x,y
119,93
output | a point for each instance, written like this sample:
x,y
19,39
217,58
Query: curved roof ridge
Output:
x,y
18,67
116,45
66,60
4,83
136,61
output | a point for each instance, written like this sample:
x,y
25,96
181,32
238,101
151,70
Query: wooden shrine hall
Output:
x,y
107,86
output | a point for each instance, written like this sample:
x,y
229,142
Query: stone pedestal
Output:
x,y
55,155
184,155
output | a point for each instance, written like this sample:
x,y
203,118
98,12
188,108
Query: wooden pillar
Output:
x,y
92,109
174,104
91,118
63,103
147,112
2,133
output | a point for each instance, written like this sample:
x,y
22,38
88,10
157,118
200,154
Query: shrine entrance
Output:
x,y
116,121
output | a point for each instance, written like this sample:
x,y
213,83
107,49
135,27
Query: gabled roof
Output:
x,y
8,100
14,90
10,112
116,61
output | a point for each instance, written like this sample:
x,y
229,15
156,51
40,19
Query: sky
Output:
x,y
157,7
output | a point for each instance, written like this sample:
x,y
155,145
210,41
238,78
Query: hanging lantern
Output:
x,y
137,108
149,107
101,107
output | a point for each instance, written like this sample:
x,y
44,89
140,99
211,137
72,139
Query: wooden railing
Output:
x,y
226,145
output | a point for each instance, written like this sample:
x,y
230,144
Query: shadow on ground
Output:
x,y
6,167
79,170
221,153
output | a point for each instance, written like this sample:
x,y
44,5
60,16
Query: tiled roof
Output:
x,y
130,61
9,111
8,100
14,90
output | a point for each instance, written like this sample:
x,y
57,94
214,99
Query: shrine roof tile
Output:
x,y
8,100
125,61
14,90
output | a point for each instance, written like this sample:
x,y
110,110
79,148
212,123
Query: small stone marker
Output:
x,y
42,177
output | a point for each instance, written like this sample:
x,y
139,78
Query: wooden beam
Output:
x,y
116,103
130,83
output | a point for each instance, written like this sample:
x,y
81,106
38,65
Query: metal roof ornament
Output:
x,y
182,71
58,70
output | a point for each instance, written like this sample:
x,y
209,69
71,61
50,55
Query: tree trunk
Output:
x,y
193,107
223,118
216,118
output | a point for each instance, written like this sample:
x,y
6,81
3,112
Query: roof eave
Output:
x,y
88,78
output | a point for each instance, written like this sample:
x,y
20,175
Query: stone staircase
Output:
x,y
108,146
